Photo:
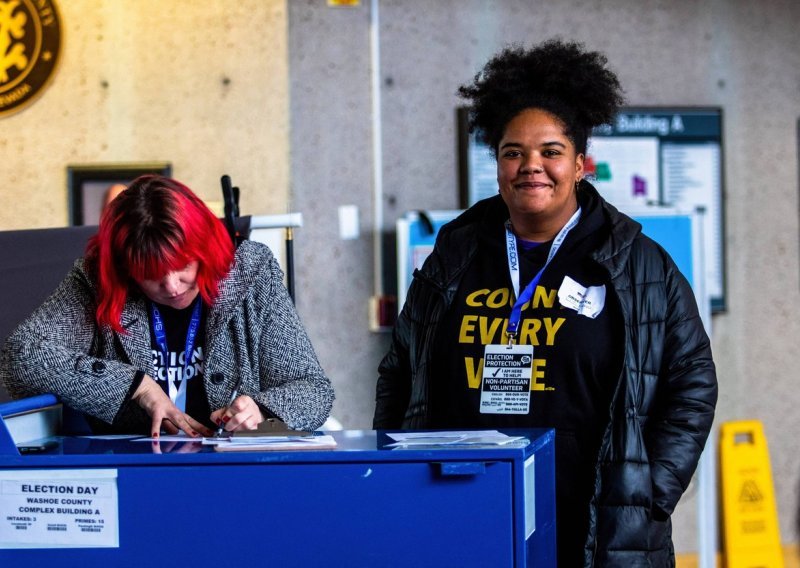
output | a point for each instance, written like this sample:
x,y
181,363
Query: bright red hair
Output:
x,y
155,226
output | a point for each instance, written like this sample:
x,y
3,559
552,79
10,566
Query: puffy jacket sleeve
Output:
x,y
393,391
401,397
49,352
686,397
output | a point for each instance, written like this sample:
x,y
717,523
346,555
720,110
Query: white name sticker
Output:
x,y
587,302
61,508
506,382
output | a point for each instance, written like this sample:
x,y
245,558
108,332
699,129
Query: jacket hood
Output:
x,y
614,252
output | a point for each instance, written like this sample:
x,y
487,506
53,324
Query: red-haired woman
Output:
x,y
154,327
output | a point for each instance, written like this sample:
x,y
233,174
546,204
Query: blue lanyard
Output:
x,y
176,394
513,268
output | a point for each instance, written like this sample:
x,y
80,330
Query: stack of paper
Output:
x,y
453,439
271,442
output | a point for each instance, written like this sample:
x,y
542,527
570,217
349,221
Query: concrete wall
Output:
x,y
231,87
739,55
201,84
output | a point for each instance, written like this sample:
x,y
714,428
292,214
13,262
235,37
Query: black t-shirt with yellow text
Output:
x,y
577,360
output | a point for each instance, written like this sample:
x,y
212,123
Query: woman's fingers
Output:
x,y
163,412
197,426
155,427
169,427
216,416
243,414
181,421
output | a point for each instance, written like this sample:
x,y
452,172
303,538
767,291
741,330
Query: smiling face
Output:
x,y
176,289
537,168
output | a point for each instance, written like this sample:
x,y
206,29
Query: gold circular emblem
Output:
x,y
30,42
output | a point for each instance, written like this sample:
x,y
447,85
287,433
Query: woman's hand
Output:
x,y
163,411
243,414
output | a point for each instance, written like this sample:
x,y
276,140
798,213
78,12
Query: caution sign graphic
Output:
x,y
750,492
749,514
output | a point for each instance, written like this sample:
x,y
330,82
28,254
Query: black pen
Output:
x,y
234,394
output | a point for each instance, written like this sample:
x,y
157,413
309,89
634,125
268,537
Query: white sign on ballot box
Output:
x,y
67,508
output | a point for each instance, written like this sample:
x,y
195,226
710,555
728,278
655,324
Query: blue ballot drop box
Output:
x,y
129,503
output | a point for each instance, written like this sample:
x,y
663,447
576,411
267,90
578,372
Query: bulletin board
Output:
x,y
416,235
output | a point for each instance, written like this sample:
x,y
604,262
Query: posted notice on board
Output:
x,y
69,508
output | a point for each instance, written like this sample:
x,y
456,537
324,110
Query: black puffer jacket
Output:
x,y
663,405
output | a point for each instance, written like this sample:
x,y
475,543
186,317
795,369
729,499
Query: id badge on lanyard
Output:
x,y
506,382
177,394
507,369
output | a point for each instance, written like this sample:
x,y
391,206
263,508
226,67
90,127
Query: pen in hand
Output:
x,y
234,394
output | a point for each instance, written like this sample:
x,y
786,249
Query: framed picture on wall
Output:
x,y
89,185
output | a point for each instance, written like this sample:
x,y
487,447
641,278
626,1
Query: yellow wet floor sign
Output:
x,y
749,515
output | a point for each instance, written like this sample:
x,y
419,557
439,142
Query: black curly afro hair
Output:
x,y
561,78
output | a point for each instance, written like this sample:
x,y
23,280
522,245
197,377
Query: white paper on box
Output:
x,y
59,508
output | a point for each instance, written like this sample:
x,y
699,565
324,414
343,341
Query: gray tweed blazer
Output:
x,y
252,329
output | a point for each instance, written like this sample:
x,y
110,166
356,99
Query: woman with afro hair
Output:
x,y
612,351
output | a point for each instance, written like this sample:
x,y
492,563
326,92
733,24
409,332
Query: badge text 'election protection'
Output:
x,y
506,382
